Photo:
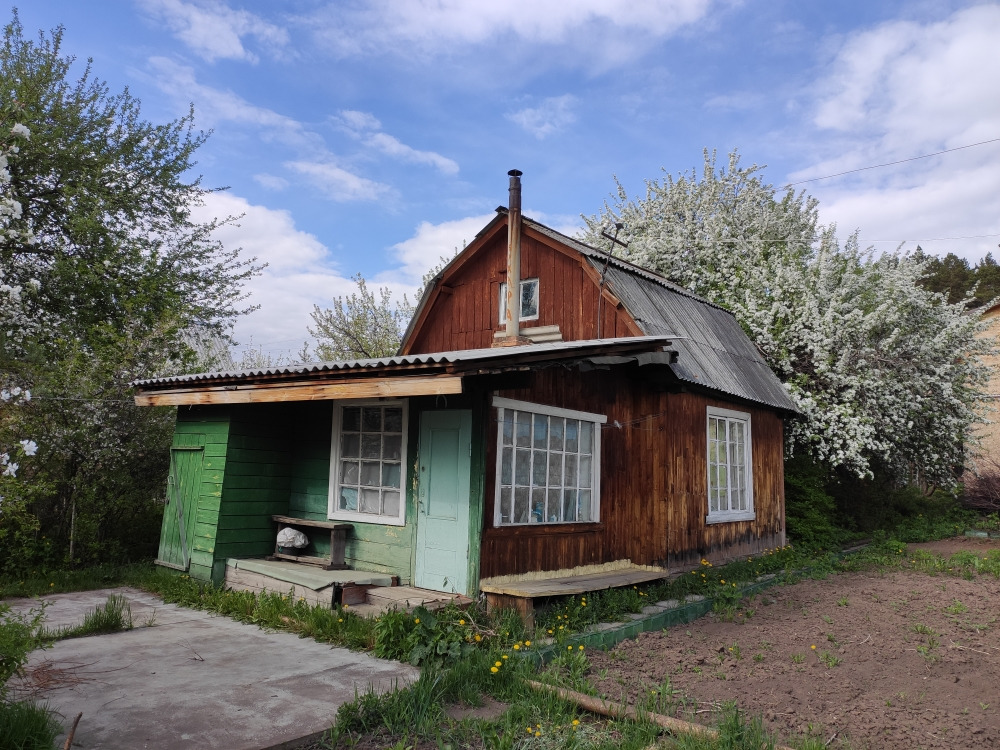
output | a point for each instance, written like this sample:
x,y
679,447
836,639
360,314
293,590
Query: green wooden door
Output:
x,y
179,514
442,553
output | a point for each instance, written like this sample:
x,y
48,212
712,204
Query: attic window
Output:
x,y
529,300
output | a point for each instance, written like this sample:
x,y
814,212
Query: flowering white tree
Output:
x,y
884,371
16,322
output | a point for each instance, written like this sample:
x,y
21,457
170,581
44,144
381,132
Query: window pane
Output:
x,y
507,467
392,447
529,298
350,445
390,503
520,505
555,470
570,473
390,475
537,506
369,501
556,434
522,468
348,498
539,468
371,473
505,495
584,507
569,505
371,419
393,419
540,437
508,427
586,471
522,429
572,435
554,507
349,472
586,437
371,446
351,419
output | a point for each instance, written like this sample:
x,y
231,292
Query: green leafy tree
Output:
x,y
105,252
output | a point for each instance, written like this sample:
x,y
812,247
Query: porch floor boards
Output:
x,y
521,594
318,586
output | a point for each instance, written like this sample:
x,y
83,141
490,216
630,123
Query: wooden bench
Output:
x,y
521,595
338,542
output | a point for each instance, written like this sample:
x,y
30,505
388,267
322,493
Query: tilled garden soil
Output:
x,y
919,660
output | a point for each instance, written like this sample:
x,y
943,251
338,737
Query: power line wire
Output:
x,y
891,163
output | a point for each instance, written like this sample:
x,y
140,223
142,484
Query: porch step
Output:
x,y
383,599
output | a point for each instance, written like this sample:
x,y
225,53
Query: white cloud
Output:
x,y
337,183
903,89
430,242
214,106
367,128
432,27
317,162
390,146
551,116
270,181
215,31
300,271
356,122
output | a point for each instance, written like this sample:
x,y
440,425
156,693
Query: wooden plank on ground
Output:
x,y
570,585
244,580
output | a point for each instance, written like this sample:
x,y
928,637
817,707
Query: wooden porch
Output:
x,y
520,592
368,594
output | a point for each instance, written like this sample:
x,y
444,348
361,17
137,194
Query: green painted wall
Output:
x,y
266,459
256,485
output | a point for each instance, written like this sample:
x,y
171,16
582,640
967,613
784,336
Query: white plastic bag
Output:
x,y
292,538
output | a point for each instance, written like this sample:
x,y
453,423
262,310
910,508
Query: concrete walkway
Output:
x,y
193,680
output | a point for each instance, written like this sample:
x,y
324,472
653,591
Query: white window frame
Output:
x,y
729,514
596,421
334,512
520,298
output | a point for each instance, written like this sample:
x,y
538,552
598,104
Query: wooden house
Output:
x,y
551,407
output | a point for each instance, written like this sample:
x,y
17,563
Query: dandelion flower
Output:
x,y
576,722
517,646
494,670
416,620
504,656
461,622
527,643
498,664
581,648
478,638
813,647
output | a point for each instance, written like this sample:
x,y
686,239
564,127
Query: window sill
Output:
x,y
366,518
544,529
730,517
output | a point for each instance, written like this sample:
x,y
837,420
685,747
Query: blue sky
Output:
x,y
374,136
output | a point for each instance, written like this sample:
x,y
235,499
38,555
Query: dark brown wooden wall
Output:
x,y
464,313
654,495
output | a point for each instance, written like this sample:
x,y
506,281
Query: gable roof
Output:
x,y
713,350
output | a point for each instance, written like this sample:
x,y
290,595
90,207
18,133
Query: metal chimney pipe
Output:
x,y
513,320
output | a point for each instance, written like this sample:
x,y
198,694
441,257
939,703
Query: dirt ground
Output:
x,y
919,660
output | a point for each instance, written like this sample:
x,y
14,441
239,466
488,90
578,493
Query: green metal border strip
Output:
x,y
683,613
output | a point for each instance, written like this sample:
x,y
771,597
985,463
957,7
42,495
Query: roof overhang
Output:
x,y
439,373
